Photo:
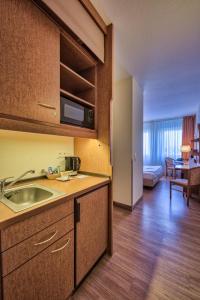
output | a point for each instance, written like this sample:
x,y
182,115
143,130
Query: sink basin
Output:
x,y
26,196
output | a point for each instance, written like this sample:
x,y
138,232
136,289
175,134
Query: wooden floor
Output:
x,y
156,252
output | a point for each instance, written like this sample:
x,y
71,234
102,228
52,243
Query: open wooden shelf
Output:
x,y
78,78
73,55
72,81
75,98
9,122
78,131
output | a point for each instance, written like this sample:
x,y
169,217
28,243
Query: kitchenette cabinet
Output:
x,y
30,62
49,275
94,37
38,256
46,54
91,230
47,254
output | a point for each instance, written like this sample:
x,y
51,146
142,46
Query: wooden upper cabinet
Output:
x,y
30,64
76,17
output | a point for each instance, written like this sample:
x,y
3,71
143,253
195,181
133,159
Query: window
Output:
x,y
161,139
146,146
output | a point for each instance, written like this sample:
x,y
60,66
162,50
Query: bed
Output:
x,y
151,175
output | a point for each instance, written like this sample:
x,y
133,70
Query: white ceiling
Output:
x,y
158,42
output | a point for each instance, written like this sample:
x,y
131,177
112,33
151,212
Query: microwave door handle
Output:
x,y
79,163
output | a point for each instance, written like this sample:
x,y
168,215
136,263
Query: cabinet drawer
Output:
x,y
48,275
20,231
22,252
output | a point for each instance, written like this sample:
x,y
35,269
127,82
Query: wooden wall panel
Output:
x,y
105,89
95,156
30,71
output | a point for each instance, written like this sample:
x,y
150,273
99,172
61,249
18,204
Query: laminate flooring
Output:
x,y
156,252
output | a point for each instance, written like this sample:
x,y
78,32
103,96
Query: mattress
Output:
x,y
152,172
151,175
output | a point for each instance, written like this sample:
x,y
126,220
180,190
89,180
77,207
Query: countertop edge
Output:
x,y
49,204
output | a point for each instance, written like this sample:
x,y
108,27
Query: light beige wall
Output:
x,y
122,148
20,152
137,140
127,142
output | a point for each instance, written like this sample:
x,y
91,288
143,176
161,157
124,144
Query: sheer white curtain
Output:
x,y
161,139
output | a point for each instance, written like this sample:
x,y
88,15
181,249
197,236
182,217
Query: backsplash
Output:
x,y
20,151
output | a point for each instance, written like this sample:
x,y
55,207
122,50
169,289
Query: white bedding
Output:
x,y
152,172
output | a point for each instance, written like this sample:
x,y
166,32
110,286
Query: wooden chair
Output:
x,y
193,181
170,166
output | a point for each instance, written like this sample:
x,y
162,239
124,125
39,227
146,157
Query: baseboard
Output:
x,y
127,207
124,206
137,202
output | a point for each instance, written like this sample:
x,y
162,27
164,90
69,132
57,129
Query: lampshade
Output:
x,y
185,148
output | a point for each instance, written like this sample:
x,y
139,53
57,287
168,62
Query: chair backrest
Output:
x,y
169,162
194,176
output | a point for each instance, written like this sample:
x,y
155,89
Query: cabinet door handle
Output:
x,y
46,241
61,248
47,105
77,211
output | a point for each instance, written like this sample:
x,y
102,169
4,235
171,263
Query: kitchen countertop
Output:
x,y
72,188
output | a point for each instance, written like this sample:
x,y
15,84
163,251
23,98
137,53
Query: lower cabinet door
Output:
x,y
91,230
49,275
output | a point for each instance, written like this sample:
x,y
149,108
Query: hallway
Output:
x,y
156,252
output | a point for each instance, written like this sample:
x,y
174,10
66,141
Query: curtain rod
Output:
x,y
180,117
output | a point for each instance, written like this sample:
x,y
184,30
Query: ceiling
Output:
x,y
158,42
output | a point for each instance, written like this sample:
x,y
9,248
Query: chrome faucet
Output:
x,y
2,185
3,182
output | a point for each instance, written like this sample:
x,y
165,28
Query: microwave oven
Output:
x,y
76,114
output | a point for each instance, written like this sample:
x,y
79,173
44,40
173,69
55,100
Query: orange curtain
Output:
x,y
188,133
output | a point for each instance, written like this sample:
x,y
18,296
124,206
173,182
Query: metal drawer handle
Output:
x,y
46,241
61,248
46,105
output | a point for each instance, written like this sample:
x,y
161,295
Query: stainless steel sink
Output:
x,y
26,196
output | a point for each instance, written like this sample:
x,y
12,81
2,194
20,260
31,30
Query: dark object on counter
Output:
x,y
72,163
